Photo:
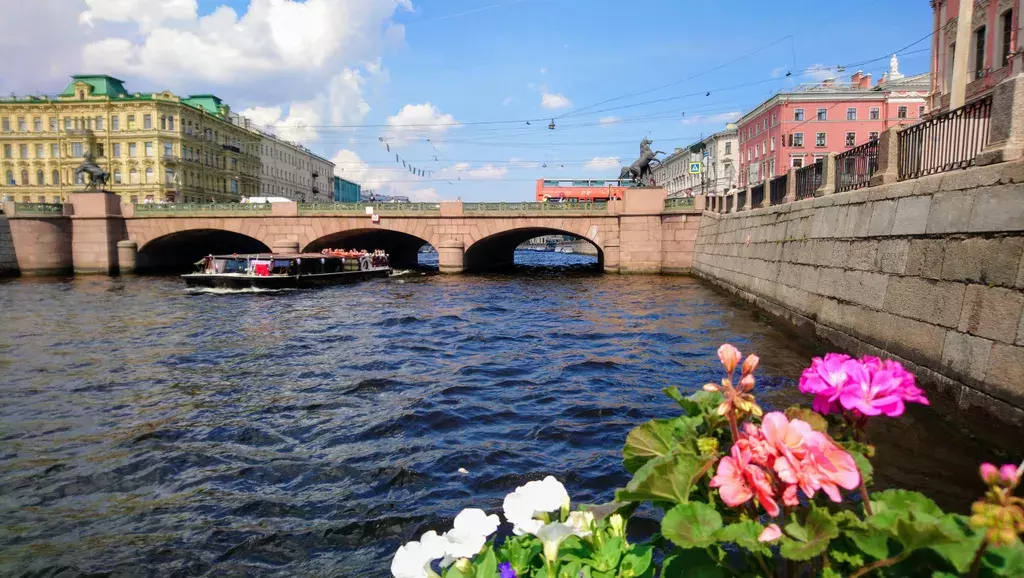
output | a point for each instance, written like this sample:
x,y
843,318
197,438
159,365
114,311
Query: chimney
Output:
x,y
881,81
828,82
865,81
855,79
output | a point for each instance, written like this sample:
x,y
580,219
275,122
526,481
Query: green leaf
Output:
x,y
1005,561
691,525
607,558
673,392
814,419
803,542
960,552
666,479
636,561
870,540
487,565
912,519
691,564
944,575
645,442
830,573
745,535
453,572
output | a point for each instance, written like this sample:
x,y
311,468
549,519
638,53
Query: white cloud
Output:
x,y
148,14
598,164
606,120
818,72
554,101
712,118
467,171
424,195
543,70
507,101
418,121
385,181
516,163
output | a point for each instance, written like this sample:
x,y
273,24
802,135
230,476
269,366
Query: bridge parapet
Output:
x,y
543,209
348,209
683,205
149,210
36,210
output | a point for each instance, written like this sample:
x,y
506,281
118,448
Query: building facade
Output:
x,y
346,191
799,127
294,172
994,53
156,147
718,168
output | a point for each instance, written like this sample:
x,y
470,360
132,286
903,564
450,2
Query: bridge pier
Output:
x,y
42,242
611,256
96,227
451,256
127,255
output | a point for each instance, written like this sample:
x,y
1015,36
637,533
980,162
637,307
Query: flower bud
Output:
x,y
747,383
464,565
618,525
750,364
729,356
989,474
711,387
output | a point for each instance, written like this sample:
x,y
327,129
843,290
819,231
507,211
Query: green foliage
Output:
x,y
807,540
658,438
812,418
744,534
669,478
692,525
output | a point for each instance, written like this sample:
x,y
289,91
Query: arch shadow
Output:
x,y
402,248
497,251
177,252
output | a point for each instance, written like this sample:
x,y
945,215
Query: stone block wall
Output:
x,y
929,271
678,237
8,260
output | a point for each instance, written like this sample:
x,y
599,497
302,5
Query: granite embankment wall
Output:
x,y
8,260
929,272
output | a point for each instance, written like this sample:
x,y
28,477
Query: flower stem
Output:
x,y
760,560
976,563
880,564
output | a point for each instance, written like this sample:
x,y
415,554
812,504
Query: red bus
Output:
x,y
581,190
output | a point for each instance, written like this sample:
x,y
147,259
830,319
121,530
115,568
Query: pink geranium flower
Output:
x,y
825,379
738,480
868,386
770,533
872,392
808,459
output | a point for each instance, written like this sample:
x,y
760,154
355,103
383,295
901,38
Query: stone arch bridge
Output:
x,y
643,233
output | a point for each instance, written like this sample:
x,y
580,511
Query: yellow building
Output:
x,y
157,147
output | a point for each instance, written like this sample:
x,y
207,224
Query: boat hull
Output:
x,y
272,282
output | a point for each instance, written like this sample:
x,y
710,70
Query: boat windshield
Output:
x,y
236,266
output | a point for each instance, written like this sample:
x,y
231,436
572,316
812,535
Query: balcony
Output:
x,y
232,148
87,132
171,159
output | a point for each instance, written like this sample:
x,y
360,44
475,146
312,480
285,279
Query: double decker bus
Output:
x,y
581,190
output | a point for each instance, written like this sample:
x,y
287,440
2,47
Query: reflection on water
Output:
x,y
147,431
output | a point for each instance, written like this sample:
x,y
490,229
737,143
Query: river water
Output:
x,y
146,431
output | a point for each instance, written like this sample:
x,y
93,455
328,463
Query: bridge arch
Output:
x,y
177,251
403,248
497,251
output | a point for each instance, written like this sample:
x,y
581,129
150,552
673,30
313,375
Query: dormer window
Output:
x,y
81,95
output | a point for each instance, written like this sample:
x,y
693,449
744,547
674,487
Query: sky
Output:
x,y
464,90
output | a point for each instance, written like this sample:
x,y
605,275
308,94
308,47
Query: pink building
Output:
x,y
792,129
994,53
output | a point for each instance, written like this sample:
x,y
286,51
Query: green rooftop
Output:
x,y
208,102
102,85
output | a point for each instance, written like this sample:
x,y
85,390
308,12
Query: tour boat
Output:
x,y
287,270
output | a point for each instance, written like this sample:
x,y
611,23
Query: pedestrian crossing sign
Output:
x,y
695,168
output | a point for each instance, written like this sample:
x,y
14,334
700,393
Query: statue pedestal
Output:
x,y
96,225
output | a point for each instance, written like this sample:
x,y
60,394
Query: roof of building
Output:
x,y
102,85
337,178
207,102
730,130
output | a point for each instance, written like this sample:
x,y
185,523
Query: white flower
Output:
x,y
582,523
414,558
551,535
471,528
532,499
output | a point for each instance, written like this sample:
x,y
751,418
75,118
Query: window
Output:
x,y
234,164
132,149
131,122
773,143
920,112
53,123
873,113
67,123
851,139
147,121
169,176
23,151
149,174
76,149
797,162
234,186
133,176
99,150
822,114
54,151
80,179
99,123
163,123
979,52
872,135
24,177
55,177
22,125
149,148
117,176
117,150
749,154
7,151
851,114
757,150
798,139
40,151
901,112
10,178
168,149
115,122
819,139
1006,21
37,124
765,124
170,123
774,119
134,199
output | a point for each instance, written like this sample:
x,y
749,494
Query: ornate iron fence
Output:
x,y
307,208
535,207
855,166
166,208
756,196
808,179
51,209
406,207
777,189
680,203
741,200
945,142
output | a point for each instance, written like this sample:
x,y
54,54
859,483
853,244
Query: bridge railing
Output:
x,y
174,209
680,204
360,208
46,209
588,208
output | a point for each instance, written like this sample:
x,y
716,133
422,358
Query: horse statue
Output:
x,y
97,176
640,171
